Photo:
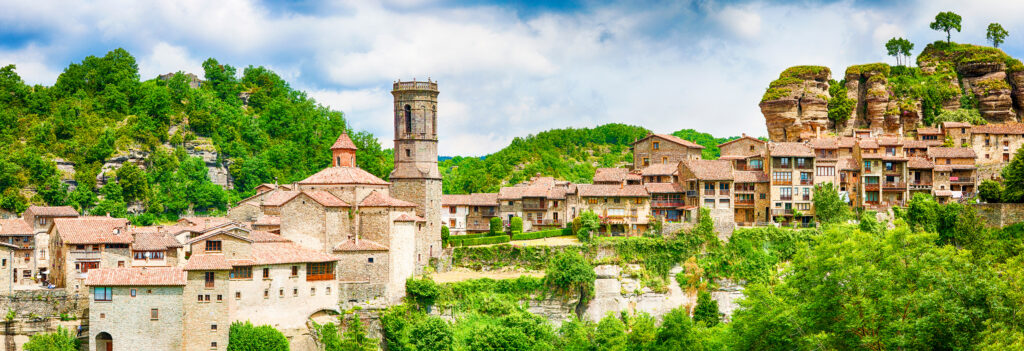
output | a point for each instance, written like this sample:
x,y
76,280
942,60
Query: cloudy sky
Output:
x,y
505,68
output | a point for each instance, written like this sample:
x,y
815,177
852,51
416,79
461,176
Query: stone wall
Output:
x,y
39,312
129,323
1000,215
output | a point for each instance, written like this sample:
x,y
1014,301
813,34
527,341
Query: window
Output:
x,y
888,166
328,290
408,119
320,271
295,271
238,295
266,293
213,245
826,171
709,203
280,292
241,272
80,247
213,327
647,161
369,260
782,177
133,292
103,293
213,344
451,209
266,273
154,314
26,273
762,196
408,153
117,246
86,266
656,145
295,292
312,291
200,298
664,160
803,206
619,212
120,263
208,277
592,201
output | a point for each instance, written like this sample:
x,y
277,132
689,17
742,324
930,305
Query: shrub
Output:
x,y
246,337
445,234
487,240
60,340
542,234
990,191
706,311
496,226
516,225
422,291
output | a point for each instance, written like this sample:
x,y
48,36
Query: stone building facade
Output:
x,y
663,149
136,308
791,169
455,212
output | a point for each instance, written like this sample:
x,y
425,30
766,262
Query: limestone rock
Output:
x,y
1016,80
797,102
994,95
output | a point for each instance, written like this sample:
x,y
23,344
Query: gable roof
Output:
x,y
1000,128
610,175
92,230
672,139
617,190
824,143
956,125
207,262
376,199
325,198
154,242
790,149
663,188
745,137
919,163
750,177
15,226
951,152
659,169
53,211
281,252
710,169
455,199
136,276
343,175
344,142
352,245
483,199
230,231
405,217
928,131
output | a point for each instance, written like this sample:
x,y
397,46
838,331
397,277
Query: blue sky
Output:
x,y
505,68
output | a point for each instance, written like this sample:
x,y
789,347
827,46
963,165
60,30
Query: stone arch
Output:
x,y
324,316
104,342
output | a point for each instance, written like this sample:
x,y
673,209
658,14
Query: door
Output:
x,y
110,346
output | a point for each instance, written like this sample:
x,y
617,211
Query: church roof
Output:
x,y
344,142
343,175
376,199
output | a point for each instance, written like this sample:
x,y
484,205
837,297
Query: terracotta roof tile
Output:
x,y
205,222
136,276
920,144
750,177
484,199
154,242
847,142
663,188
266,220
207,262
344,142
929,131
279,198
679,141
15,226
659,169
610,175
889,141
405,217
92,230
847,164
956,125
230,231
631,190
742,138
376,199
1000,128
711,169
343,175
790,149
824,143
325,198
511,192
286,252
361,245
260,236
53,211
456,199
919,163
951,152
868,144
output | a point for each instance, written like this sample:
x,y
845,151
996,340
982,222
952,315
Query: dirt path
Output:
x,y
461,274
553,241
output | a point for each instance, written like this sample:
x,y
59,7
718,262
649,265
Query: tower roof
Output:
x,y
344,142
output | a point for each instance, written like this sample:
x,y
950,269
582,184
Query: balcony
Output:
x,y
667,203
871,186
805,197
319,277
691,193
782,212
744,189
806,181
546,222
804,166
920,185
488,213
782,182
709,192
961,180
894,186
893,172
745,203
786,197
527,206
723,191
86,255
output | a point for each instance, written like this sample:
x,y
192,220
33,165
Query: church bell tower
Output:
x,y
415,177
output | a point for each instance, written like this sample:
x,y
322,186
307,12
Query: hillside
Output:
x,y
99,119
568,154
952,81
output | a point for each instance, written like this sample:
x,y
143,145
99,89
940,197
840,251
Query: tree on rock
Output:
x,y
899,48
355,338
570,272
996,34
946,22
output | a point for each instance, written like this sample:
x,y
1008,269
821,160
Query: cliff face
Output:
x,y
897,99
797,102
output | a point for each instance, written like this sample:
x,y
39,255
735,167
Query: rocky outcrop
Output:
x,y
988,82
1016,80
797,102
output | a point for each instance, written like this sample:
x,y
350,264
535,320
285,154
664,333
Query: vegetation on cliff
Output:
x,y
792,76
100,108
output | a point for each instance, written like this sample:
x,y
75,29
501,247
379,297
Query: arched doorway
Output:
x,y
104,342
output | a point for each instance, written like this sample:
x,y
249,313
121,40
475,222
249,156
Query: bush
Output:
x,y
246,337
990,191
496,226
422,291
60,340
516,225
445,234
542,234
487,240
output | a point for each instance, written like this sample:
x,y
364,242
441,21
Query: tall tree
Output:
x,y
706,311
946,22
996,34
828,206
1013,179
570,272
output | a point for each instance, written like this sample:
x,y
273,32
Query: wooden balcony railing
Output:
x,y
894,186
709,192
786,197
806,181
319,277
546,222
805,197
667,203
962,180
691,193
744,203
871,186
723,191
782,212
782,182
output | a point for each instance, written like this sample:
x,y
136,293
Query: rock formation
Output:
x,y
797,102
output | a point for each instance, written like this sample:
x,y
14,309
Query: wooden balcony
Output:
x,y
782,182
920,185
782,212
546,222
894,186
871,186
722,192
667,203
805,197
806,181
319,277
744,203
962,180
786,197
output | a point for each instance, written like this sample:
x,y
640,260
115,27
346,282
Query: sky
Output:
x,y
505,69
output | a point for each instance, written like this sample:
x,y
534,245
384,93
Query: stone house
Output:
x,y
826,157
708,184
750,198
666,200
18,252
919,176
792,180
929,133
542,203
239,275
483,207
134,308
997,143
81,244
41,219
663,149
454,212
959,132
954,171
614,175
8,254
660,173
743,148
624,208
849,180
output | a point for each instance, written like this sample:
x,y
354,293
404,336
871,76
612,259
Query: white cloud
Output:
x,y
30,64
166,58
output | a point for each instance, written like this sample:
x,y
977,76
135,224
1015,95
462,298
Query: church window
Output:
x,y
408,119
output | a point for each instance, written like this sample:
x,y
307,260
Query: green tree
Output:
x,y
990,191
133,182
516,225
576,335
706,312
60,340
500,338
996,34
327,336
899,48
1013,178
828,206
946,22
246,337
433,334
355,338
676,332
586,225
610,334
643,331
445,235
840,107
570,272
423,291
869,222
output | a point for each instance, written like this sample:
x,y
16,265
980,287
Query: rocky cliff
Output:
x,y
897,99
